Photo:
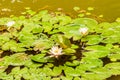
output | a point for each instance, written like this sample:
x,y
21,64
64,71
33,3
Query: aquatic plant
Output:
x,y
42,46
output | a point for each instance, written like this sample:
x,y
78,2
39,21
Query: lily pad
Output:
x,y
96,51
113,68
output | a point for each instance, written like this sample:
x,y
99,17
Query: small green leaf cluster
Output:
x,y
45,46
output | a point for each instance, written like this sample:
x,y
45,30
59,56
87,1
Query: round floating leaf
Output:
x,y
89,63
95,76
96,51
90,23
114,68
114,57
69,51
69,71
39,58
71,31
56,71
92,39
74,63
63,20
17,59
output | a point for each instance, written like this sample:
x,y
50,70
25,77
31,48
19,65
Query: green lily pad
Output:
x,y
114,57
96,51
64,20
90,23
69,71
95,76
71,31
13,46
92,39
69,51
42,44
74,63
113,68
39,58
17,59
89,63
56,71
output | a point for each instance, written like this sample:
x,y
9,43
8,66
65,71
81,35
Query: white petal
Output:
x,y
11,23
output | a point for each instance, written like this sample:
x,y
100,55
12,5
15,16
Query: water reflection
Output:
x,y
109,8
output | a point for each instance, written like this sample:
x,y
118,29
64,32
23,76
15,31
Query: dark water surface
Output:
x,y
109,8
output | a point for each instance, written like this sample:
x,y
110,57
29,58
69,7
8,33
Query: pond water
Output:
x,y
109,8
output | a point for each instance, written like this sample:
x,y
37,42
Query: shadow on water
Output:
x,y
114,78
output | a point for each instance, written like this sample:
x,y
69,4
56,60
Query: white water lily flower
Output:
x,y
10,23
83,31
55,51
